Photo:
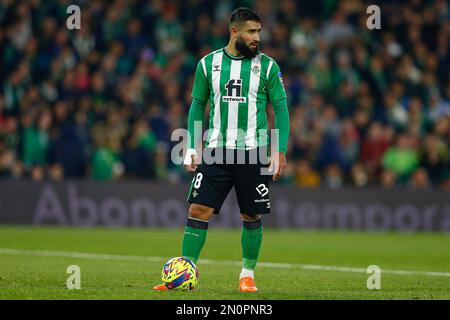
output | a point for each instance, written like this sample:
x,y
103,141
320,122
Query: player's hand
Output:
x,y
277,165
191,161
193,166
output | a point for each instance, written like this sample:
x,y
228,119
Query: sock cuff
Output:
x,y
252,224
196,223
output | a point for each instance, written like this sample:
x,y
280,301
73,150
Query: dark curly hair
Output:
x,y
241,14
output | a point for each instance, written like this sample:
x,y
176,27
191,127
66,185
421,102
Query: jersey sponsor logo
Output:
x,y
262,190
234,91
234,86
216,67
234,99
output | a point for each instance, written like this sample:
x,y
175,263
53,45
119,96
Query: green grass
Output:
x,y
26,276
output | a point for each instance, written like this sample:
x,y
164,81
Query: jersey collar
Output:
x,y
231,56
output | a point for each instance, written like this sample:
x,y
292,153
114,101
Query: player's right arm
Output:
x,y
200,94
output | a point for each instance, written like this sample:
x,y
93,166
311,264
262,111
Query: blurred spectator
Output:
x,y
349,141
169,31
37,173
420,180
337,29
305,176
333,177
373,147
396,115
388,179
137,155
161,167
6,159
435,158
359,176
56,172
437,108
6,163
35,140
330,152
321,74
402,158
105,162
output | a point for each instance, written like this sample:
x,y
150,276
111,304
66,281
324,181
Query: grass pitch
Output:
x,y
126,263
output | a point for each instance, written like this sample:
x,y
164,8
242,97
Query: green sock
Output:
x,y
251,237
194,238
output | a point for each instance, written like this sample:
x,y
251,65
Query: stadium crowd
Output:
x,y
367,107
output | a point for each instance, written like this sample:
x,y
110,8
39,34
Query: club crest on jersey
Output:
x,y
255,69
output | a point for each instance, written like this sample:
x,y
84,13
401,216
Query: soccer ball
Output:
x,y
180,273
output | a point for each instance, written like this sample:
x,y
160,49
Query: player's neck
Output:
x,y
231,49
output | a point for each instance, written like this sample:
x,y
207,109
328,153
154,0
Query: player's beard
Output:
x,y
245,50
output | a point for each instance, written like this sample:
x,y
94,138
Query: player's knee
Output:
x,y
200,212
250,217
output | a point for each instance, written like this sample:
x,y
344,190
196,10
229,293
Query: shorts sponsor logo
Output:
x,y
262,190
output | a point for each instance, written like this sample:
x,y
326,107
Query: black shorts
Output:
x,y
213,181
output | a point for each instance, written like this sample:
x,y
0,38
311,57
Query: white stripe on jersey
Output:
x,y
250,136
233,107
204,67
217,60
268,69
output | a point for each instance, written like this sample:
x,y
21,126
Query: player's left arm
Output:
x,y
277,96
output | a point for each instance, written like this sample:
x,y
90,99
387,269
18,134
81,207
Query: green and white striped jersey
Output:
x,y
238,90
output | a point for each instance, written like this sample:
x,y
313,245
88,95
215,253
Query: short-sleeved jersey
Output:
x,y
238,90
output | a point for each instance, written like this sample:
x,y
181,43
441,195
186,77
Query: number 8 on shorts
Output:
x,y
198,180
